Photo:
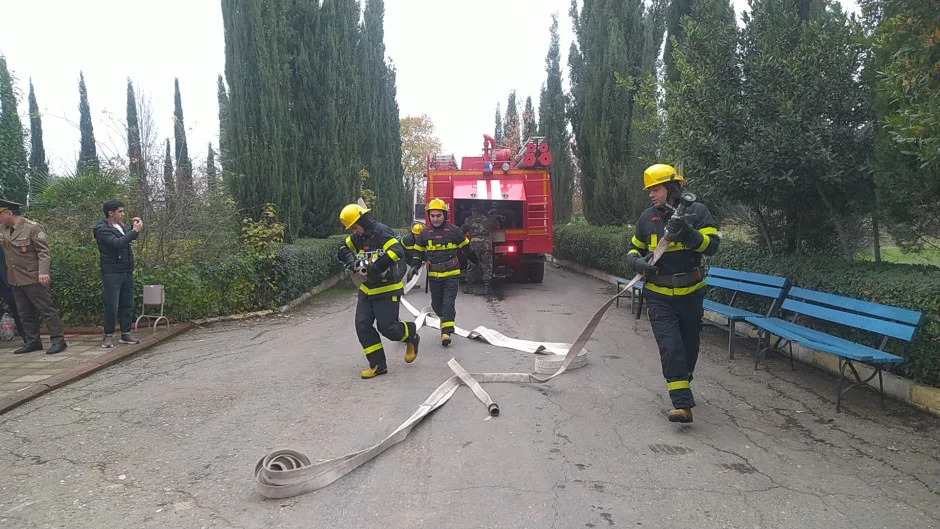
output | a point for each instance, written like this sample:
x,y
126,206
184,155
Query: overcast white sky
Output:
x,y
455,61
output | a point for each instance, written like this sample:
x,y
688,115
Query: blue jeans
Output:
x,y
118,298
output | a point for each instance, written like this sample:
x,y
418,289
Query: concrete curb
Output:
x,y
63,379
923,397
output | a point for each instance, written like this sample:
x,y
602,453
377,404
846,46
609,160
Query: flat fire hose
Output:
x,y
286,473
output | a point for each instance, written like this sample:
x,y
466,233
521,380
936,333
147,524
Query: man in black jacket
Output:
x,y
117,270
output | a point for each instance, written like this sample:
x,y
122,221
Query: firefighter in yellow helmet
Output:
x,y
372,250
674,286
438,244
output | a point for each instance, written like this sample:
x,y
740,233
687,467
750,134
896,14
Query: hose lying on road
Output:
x,y
286,473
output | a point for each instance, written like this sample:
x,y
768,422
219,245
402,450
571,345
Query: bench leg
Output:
x,y
619,291
730,338
639,306
845,362
790,347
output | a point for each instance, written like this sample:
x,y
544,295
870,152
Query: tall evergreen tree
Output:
x,y
511,129
169,185
529,125
13,162
704,123
135,157
38,165
498,131
260,128
88,155
674,34
183,164
380,139
553,125
211,182
615,38
223,118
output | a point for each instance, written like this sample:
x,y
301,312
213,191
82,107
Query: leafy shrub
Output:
x,y
300,267
915,287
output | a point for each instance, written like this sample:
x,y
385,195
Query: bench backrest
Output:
x,y
760,284
875,317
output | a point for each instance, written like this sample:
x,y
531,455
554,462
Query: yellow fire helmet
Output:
x,y
417,228
436,204
351,215
660,174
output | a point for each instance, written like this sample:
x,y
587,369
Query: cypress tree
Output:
x,y
616,38
674,35
134,150
13,162
38,165
260,128
553,125
88,155
223,117
511,130
183,164
529,126
210,169
169,187
498,132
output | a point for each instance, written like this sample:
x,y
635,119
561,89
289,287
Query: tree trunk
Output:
x,y
840,232
876,234
764,232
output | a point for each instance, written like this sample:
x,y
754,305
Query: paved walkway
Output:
x,y
26,376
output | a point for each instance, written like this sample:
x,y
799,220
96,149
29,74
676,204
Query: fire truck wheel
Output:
x,y
536,272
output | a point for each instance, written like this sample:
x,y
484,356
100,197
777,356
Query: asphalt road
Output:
x,y
170,438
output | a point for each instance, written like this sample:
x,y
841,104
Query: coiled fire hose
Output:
x,y
286,473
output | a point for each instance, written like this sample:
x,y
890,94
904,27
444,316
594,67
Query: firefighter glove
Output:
x,y
691,238
474,258
676,227
373,273
641,265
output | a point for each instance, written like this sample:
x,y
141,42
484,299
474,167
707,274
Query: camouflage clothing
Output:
x,y
479,228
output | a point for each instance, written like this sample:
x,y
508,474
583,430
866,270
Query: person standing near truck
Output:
x,y
439,244
480,229
674,287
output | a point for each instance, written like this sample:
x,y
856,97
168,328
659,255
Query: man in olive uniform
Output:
x,y
372,250
439,244
26,249
674,287
480,228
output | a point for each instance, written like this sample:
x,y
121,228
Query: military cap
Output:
x,y
9,204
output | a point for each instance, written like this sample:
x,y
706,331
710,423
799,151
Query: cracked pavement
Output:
x,y
170,437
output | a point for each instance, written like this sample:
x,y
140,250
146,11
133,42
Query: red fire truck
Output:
x,y
515,187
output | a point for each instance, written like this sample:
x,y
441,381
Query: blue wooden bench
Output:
x,y
763,285
635,292
882,320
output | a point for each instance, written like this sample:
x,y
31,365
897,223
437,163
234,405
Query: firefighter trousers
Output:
x,y
381,312
443,301
676,322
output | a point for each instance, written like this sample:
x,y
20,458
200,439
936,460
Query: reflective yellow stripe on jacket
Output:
x,y
666,291
382,289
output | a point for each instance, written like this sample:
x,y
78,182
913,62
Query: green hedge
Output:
x,y
237,283
915,287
